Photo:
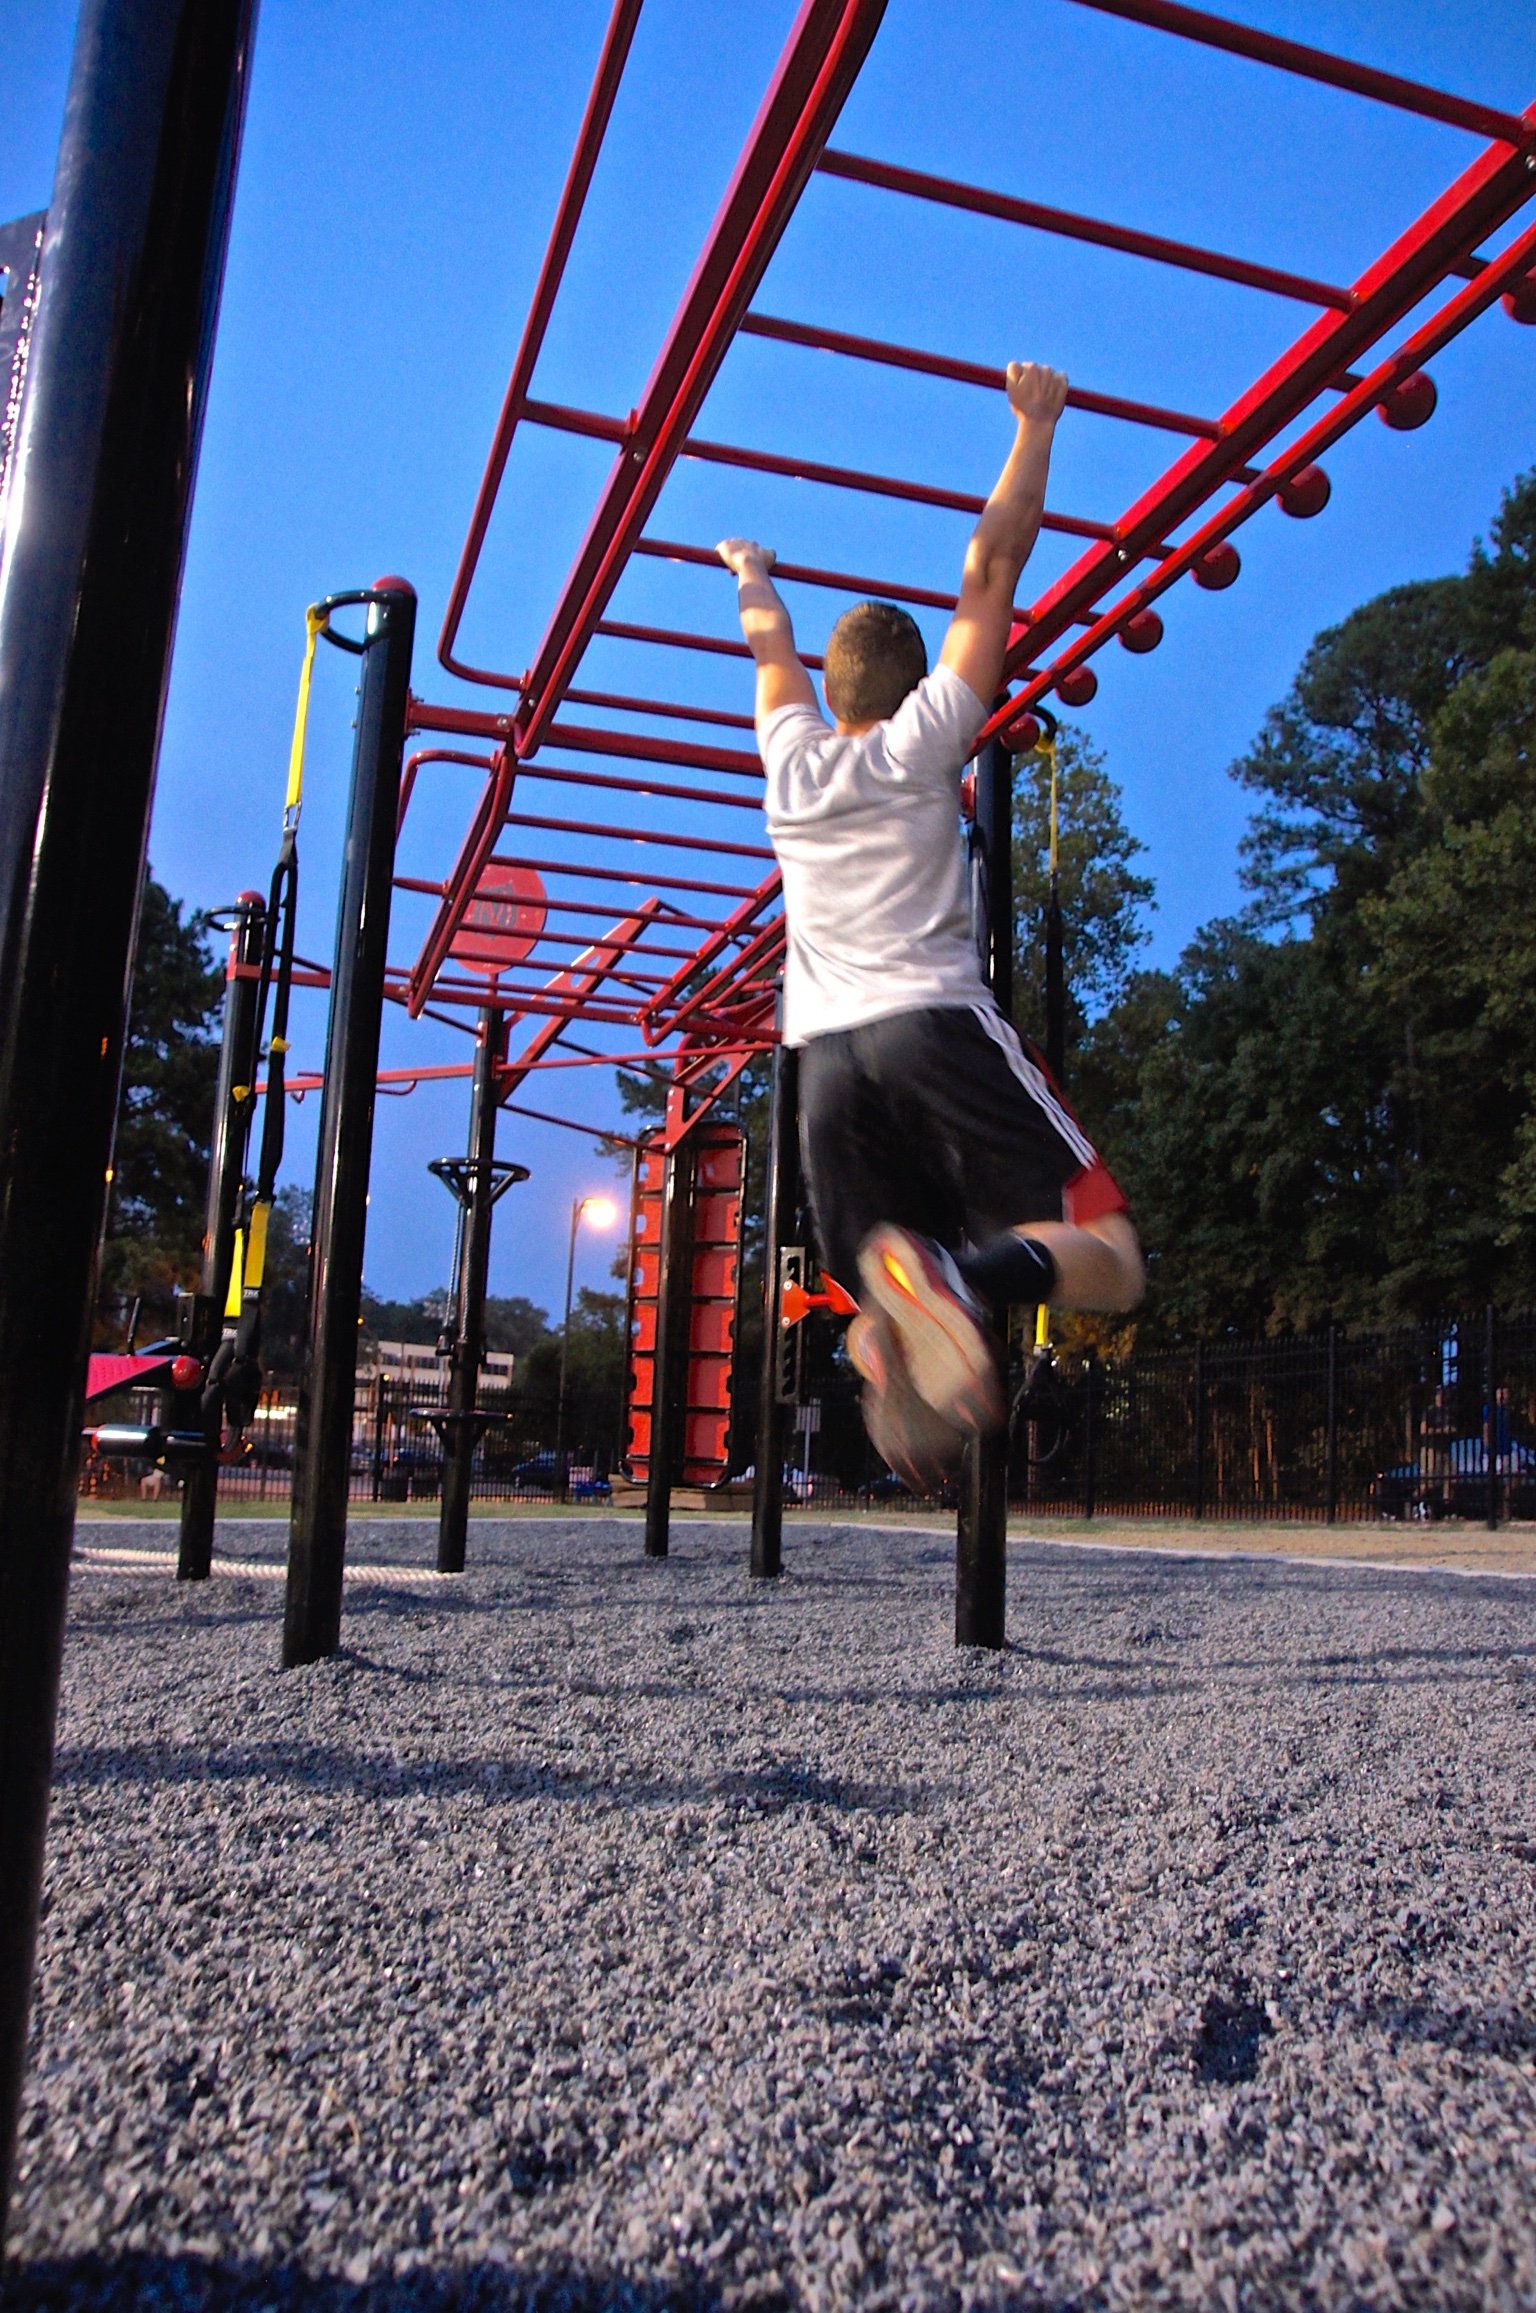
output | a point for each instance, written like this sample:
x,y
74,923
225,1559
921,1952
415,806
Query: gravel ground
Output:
x,y
596,1933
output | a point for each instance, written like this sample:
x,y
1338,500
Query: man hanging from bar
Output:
x,y
948,1178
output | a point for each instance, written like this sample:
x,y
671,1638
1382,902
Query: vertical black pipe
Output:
x,y
317,1531
1055,986
674,1311
781,1197
233,1106
1331,1449
994,827
1090,1433
1490,1421
460,1432
981,1543
105,455
1199,1429
981,1550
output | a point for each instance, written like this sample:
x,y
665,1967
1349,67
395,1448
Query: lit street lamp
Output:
x,y
602,1212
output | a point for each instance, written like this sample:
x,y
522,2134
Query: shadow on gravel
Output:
x,y
767,1790
1231,2036
185,2284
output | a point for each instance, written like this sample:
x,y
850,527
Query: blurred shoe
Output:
x,y
905,1432
946,1343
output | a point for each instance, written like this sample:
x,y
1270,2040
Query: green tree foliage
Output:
x,y
1103,898
160,1158
1327,1111
512,1323
597,1350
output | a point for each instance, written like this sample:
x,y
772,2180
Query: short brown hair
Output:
x,y
875,656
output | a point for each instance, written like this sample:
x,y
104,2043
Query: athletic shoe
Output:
x,y
905,1432
945,1340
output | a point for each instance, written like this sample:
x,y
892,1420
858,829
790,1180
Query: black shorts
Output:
x,y
940,1121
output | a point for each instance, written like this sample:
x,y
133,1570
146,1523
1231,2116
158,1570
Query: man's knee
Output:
x,y
1116,1234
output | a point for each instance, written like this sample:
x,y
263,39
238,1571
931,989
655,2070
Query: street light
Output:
x,y
602,1212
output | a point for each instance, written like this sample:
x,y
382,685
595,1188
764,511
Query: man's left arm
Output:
x,y
781,679
977,641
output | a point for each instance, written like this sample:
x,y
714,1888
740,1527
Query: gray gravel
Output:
x,y
597,1933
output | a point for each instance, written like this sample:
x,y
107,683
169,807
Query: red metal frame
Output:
x,y
680,978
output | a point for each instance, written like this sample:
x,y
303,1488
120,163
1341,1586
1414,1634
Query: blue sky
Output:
x,y
401,167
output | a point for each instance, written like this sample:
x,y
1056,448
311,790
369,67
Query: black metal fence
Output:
x,y
397,1453
1429,1421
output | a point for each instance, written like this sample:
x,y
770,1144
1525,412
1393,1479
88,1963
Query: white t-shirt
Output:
x,y
867,832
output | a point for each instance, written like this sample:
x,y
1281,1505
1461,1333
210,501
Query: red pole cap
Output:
x,y
186,1372
393,585
1077,686
1410,403
1520,302
1142,633
1024,735
1306,493
1217,567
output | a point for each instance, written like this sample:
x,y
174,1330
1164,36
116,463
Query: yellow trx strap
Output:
x,y
314,623
1048,747
232,1299
256,1246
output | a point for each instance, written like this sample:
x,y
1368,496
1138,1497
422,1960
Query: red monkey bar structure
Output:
x,y
614,887
657,933
662,924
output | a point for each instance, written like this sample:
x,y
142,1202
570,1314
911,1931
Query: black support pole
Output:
x,y
1491,1423
674,1308
1055,985
981,1551
781,1197
1090,1433
461,1430
317,1533
105,455
233,1105
1331,1438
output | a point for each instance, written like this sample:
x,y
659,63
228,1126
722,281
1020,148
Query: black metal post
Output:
x,y
461,1430
994,832
981,1551
1090,1433
233,1106
781,1197
317,1532
674,1311
1491,1420
1055,985
106,453
1331,1447
1199,1411
981,1546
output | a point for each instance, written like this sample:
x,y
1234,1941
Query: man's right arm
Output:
x,y
1004,538
781,679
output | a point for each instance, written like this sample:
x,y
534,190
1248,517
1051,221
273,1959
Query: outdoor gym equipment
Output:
x,y
108,432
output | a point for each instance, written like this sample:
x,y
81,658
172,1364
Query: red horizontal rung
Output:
x,y
968,373
981,203
625,706
674,638
1318,64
